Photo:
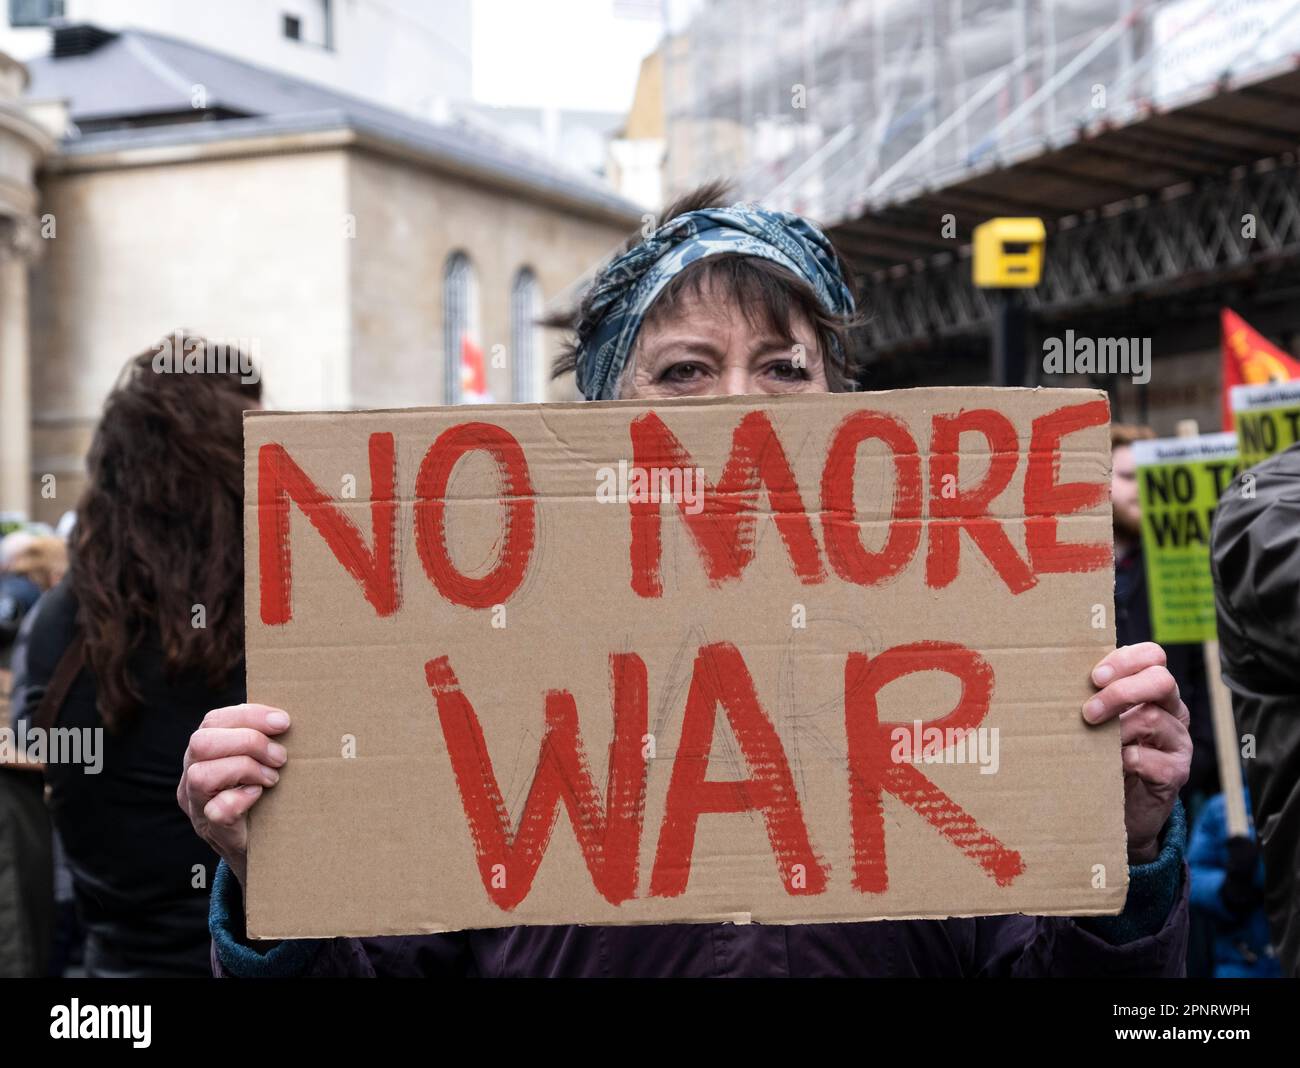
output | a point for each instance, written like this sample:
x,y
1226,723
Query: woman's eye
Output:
x,y
682,372
788,371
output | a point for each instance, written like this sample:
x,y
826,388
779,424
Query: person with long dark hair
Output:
x,y
144,635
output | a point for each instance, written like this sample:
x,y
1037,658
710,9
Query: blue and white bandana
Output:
x,y
624,291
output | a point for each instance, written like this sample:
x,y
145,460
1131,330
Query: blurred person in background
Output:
x,y
717,302
33,563
43,562
1228,890
18,595
143,636
1255,558
1186,662
30,564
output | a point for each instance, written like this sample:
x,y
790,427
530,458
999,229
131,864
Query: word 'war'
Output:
x,y
609,828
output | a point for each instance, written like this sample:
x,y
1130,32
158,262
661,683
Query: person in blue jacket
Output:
x,y
1228,887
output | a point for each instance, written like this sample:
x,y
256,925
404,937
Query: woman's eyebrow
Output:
x,y
700,345
772,342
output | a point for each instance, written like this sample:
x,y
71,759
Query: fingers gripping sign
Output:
x,y
230,761
1137,688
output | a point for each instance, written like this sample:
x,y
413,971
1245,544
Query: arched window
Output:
x,y
527,373
459,323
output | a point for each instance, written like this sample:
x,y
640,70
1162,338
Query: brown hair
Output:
x,y
1122,434
768,295
159,526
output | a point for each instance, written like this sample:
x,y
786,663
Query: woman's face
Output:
x,y
708,348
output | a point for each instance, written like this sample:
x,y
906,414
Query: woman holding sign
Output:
x,y
735,301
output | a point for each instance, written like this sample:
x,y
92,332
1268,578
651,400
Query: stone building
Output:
x,y
23,144
351,248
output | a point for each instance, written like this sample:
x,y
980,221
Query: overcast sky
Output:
x,y
559,53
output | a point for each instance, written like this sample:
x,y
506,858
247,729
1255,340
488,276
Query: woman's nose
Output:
x,y
735,381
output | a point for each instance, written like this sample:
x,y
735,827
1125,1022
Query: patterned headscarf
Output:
x,y
624,291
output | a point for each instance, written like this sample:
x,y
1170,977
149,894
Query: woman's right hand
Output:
x,y
230,760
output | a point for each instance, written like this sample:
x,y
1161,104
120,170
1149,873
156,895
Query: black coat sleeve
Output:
x,y
1256,563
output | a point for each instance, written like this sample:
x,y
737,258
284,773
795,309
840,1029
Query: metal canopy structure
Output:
x,y
1141,131
1149,249
1098,167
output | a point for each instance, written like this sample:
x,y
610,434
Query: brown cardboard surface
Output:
x,y
435,665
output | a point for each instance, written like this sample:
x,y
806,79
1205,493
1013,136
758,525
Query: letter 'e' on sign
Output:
x,y
558,642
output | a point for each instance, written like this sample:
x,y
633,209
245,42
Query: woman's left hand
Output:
x,y
1156,748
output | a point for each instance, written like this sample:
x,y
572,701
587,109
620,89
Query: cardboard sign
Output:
x,y
799,659
1267,419
1180,481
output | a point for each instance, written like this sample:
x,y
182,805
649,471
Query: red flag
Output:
x,y
473,373
1249,359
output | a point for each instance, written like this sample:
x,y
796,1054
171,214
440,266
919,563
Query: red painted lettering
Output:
x,y
609,838
280,480
951,512
844,549
724,529
872,770
430,515
1045,498
721,677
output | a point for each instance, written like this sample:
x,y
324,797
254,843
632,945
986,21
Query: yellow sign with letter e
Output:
x,y
1008,253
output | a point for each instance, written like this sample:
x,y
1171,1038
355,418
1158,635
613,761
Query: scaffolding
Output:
x,y
833,108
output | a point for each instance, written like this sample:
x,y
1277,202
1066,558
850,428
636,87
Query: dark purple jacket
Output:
x,y
1148,939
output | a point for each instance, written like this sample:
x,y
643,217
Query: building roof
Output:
x,y
135,89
